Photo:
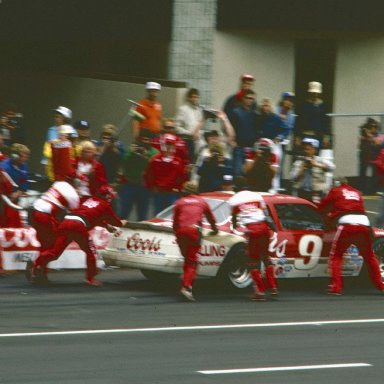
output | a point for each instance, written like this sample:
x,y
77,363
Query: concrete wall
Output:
x,y
98,101
267,56
359,88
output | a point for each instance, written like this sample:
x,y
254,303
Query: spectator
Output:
x,y
188,215
344,207
245,123
4,149
181,148
9,216
249,211
110,152
60,154
62,115
11,125
83,129
133,193
275,128
227,184
165,175
308,172
312,120
369,146
16,166
235,101
90,174
285,110
213,169
189,120
261,168
150,109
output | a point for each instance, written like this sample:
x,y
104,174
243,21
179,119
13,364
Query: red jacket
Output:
x,y
341,200
96,212
190,210
165,173
91,179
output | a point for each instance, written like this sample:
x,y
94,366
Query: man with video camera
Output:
x,y
213,169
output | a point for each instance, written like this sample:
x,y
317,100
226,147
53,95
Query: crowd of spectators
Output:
x,y
244,143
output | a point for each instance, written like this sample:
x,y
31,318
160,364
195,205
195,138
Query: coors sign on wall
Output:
x,y
18,245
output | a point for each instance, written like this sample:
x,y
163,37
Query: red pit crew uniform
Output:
x,y
187,220
344,206
248,211
75,227
48,209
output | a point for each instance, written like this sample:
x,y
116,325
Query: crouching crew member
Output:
x,y
188,214
248,210
50,209
95,211
344,207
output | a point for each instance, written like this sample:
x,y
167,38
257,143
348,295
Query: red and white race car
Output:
x,y
299,247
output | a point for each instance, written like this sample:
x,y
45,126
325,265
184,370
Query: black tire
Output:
x,y
234,271
159,276
378,248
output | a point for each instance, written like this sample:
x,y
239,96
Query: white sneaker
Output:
x,y
187,293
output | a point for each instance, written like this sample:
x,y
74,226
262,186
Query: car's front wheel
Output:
x,y
378,248
234,271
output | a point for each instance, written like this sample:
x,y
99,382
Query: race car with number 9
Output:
x,y
299,245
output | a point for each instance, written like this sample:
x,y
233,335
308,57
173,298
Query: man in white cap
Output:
x,y
151,109
312,120
308,172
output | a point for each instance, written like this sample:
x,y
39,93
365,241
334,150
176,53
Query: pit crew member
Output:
x,y
249,210
344,207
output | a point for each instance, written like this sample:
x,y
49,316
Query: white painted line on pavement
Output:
x,y
278,369
192,328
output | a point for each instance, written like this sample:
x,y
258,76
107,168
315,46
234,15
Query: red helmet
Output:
x,y
106,192
264,143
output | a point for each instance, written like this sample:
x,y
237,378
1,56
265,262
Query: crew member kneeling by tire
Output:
x,y
188,214
248,209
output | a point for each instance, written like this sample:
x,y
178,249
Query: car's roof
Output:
x,y
271,198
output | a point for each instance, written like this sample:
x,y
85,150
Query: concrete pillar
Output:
x,y
191,48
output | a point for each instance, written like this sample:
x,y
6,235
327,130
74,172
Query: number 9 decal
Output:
x,y
310,247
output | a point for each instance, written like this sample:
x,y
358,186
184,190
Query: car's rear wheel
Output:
x,y
378,248
159,276
234,271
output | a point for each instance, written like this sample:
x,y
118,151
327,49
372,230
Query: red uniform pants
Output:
x,y
258,241
68,231
360,236
45,226
188,239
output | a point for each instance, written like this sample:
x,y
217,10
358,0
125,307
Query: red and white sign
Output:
x,y
18,245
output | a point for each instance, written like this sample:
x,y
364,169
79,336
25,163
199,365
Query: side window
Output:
x,y
299,217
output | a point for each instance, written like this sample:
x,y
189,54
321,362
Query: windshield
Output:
x,y
299,216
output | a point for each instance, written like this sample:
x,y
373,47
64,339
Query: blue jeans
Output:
x,y
134,195
163,200
238,158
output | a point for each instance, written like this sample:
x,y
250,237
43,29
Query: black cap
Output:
x,y
82,124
